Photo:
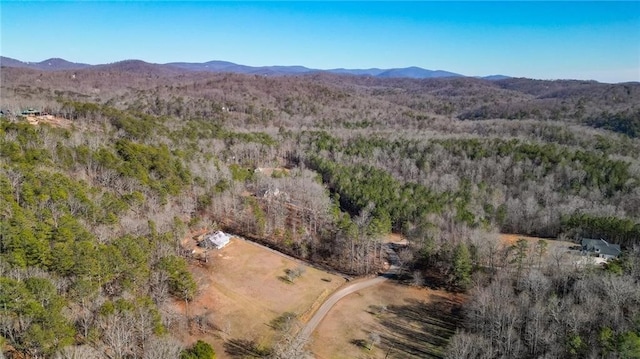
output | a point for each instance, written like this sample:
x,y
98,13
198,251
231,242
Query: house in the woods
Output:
x,y
31,112
600,248
215,240
272,193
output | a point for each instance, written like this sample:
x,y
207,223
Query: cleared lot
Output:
x,y
409,322
558,253
242,289
511,239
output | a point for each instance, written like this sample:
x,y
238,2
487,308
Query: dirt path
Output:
x,y
308,329
353,287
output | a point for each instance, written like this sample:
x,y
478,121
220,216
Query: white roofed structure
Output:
x,y
215,240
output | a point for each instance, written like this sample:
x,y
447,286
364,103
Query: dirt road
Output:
x,y
353,287
308,329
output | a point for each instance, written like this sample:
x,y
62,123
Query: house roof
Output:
x,y
30,111
218,239
601,246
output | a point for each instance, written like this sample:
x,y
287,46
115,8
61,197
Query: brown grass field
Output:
x,y
241,292
49,119
553,245
411,323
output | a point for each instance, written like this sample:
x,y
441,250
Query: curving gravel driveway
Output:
x,y
310,327
324,309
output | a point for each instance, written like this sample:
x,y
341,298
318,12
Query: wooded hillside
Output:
x,y
91,216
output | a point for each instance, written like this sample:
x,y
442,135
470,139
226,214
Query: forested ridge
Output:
x,y
91,214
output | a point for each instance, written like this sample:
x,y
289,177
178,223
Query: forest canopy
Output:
x,y
96,196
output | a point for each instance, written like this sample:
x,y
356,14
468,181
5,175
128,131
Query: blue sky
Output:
x,y
545,40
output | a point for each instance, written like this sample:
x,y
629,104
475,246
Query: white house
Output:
x,y
215,240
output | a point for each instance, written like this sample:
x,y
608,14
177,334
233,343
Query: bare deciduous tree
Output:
x,y
118,336
162,348
79,352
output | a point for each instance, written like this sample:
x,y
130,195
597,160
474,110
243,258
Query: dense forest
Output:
x,y
92,207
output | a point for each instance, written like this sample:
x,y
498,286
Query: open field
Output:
x,y
511,239
49,119
554,247
411,323
241,291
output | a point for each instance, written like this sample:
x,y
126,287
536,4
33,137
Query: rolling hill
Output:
x,y
56,64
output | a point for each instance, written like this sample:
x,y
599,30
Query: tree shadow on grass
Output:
x,y
360,343
243,348
431,278
419,329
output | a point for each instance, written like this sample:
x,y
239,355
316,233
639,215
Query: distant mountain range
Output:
x,y
55,64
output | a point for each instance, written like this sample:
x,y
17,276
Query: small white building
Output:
x,y
215,240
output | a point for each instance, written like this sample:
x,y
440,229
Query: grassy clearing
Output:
x,y
558,253
511,239
410,323
241,292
